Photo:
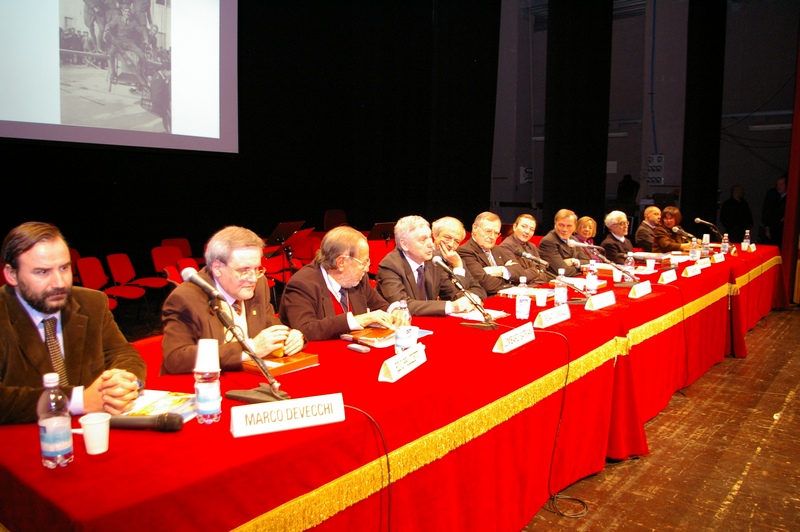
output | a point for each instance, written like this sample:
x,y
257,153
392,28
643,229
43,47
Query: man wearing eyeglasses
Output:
x,y
408,272
493,267
233,266
554,249
616,244
332,295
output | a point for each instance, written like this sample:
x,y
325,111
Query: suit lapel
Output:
x,y
74,327
31,345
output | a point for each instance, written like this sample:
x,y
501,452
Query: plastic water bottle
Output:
x,y
694,253
401,315
523,302
591,278
630,262
560,296
746,241
704,250
726,244
55,424
208,396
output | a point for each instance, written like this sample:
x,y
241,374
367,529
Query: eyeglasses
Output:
x,y
489,232
363,264
621,223
248,273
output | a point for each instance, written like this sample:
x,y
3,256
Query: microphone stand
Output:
x,y
488,323
269,393
633,278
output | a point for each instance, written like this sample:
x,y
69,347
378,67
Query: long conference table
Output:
x,y
469,440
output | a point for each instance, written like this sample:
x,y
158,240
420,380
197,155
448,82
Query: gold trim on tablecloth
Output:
x,y
316,506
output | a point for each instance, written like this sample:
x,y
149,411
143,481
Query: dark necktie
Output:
x,y
421,282
237,307
491,258
343,298
54,349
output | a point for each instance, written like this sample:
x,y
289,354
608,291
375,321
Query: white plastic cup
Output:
x,y
616,274
541,298
95,431
207,356
405,336
651,264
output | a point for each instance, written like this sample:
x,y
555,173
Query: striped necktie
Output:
x,y
421,282
53,347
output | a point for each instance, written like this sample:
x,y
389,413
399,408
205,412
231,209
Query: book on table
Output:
x,y
284,364
371,336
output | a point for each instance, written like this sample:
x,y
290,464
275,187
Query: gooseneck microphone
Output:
x,y
532,257
488,322
160,423
681,232
190,275
709,224
575,244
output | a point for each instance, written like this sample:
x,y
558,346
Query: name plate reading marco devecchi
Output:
x,y
276,416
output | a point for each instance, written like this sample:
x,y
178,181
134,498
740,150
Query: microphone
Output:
x,y
709,224
681,232
532,257
437,260
488,322
575,244
159,423
190,275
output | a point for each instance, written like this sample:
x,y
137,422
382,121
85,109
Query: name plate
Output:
x,y
514,338
400,365
718,257
668,276
599,301
751,248
642,289
551,316
276,416
704,263
691,271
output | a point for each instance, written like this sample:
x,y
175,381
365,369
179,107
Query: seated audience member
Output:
x,y
616,244
233,265
99,369
665,239
554,249
408,272
448,233
493,267
644,234
585,231
519,241
332,295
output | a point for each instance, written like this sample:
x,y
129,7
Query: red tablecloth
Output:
x,y
476,439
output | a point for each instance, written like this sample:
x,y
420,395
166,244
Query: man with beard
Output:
x,y
332,294
233,266
99,368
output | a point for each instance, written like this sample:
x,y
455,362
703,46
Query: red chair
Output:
x,y
377,250
185,247
73,257
172,275
165,256
94,276
150,349
187,262
306,250
121,268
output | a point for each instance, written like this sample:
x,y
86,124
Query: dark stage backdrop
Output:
x,y
380,109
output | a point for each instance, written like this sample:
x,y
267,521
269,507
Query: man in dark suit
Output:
x,y
492,266
644,234
554,249
519,241
332,295
616,244
100,370
233,265
408,272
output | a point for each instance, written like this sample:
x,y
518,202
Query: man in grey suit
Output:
x,y
554,249
408,272
100,370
